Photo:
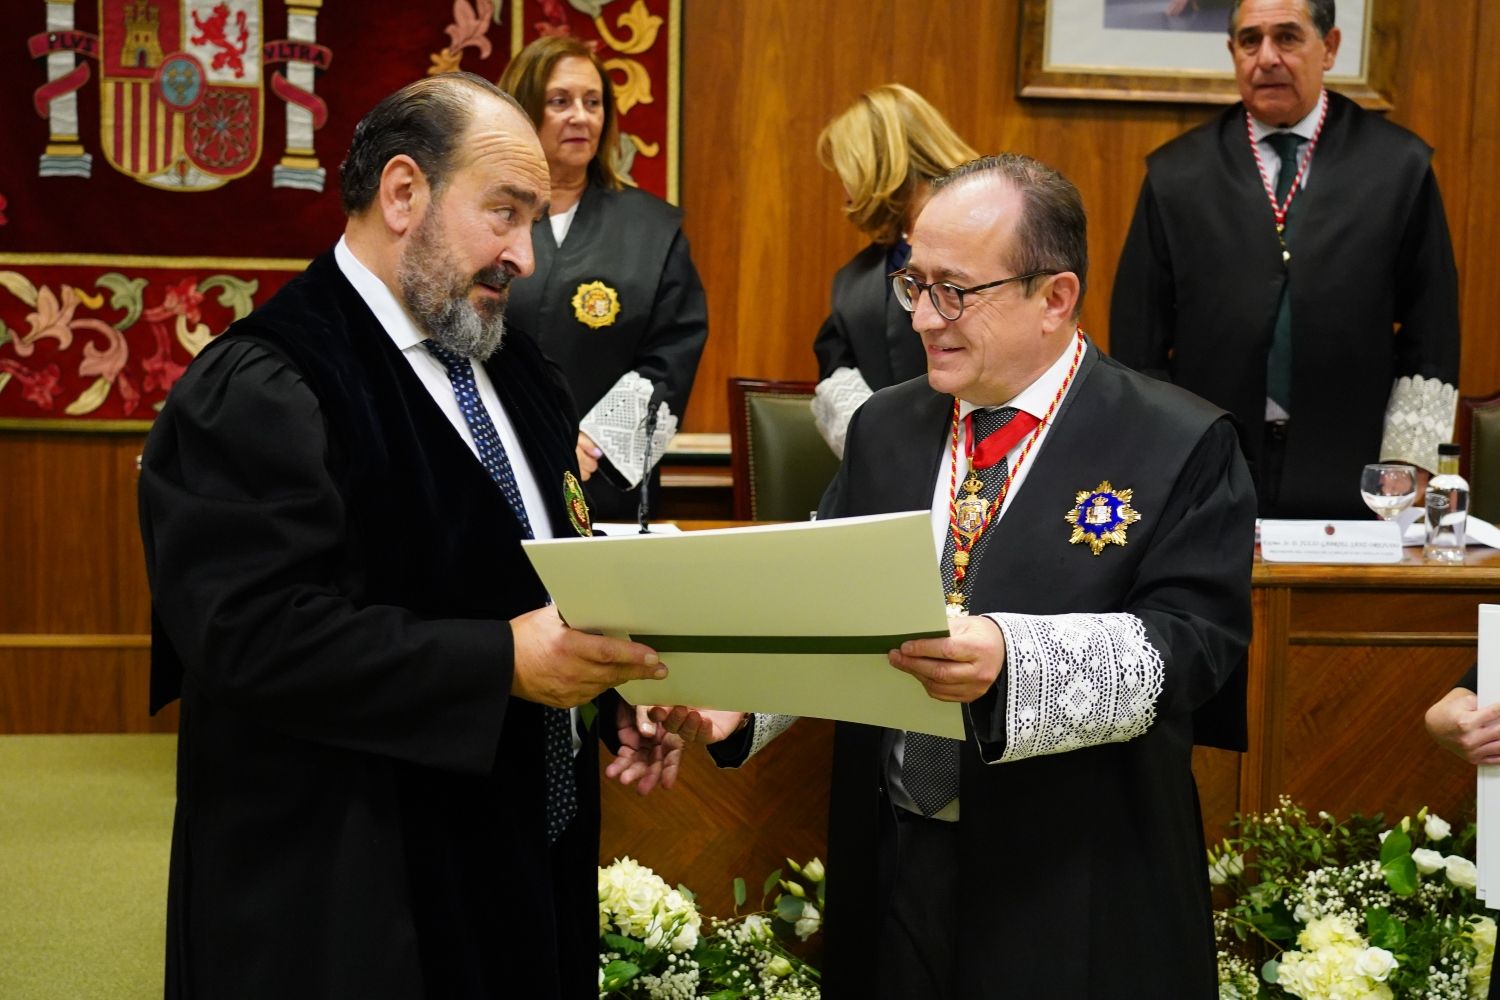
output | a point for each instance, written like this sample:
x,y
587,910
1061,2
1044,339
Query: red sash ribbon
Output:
x,y
999,444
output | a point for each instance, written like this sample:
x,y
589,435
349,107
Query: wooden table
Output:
x,y
1344,661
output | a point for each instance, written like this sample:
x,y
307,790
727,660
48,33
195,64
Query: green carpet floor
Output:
x,y
85,823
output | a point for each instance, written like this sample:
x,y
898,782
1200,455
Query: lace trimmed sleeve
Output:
x,y
617,424
739,748
1418,419
1076,681
834,401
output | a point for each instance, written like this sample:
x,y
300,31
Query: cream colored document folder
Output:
x,y
789,618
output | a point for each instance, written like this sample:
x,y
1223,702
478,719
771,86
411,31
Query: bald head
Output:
x,y
1051,233
425,120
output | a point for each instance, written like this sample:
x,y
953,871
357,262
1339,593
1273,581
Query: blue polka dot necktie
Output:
x,y
562,790
929,764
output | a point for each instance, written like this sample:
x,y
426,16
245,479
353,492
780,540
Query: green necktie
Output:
x,y
1279,360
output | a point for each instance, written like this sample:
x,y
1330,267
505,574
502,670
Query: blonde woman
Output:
x,y
886,148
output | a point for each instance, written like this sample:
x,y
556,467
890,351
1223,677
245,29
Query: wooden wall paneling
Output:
x,y
1260,774
1480,271
94,688
1354,740
763,78
1218,776
69,541
716,824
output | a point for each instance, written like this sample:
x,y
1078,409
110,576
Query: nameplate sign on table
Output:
x,y
789,618
1330,541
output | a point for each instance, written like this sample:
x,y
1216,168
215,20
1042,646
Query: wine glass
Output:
x,y
1388,488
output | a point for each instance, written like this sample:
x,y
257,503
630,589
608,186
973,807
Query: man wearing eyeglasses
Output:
x,y
1289,261
1095,531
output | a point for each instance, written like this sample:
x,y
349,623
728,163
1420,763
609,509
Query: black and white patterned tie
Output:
x,y
562,790
929,764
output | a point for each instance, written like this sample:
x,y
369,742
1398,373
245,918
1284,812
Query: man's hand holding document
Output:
x,y
793,619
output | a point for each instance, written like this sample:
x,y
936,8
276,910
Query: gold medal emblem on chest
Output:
x,y
1100,516
596,305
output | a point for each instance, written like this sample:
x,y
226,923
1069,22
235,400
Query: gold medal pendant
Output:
x,y
956,607
969,518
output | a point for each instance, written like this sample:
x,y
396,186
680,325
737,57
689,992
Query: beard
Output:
x,y
436,293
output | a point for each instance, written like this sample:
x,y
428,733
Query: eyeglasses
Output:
x,y
947,298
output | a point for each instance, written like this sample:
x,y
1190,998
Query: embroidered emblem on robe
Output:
x,y
596,305
578,510
1100,516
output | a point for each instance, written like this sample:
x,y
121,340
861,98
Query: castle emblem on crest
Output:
x,y
181,91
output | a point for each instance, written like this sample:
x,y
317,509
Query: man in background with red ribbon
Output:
x,y
1289,261
1095,531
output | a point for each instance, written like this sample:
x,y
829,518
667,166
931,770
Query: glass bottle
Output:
x,y
1447,509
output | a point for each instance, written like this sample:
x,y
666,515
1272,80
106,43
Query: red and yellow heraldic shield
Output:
x,y
181,100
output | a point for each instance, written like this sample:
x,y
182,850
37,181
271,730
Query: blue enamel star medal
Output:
x,y
578,510
1100,516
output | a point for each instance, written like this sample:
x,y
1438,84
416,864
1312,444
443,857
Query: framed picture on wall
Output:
x,y
1175,50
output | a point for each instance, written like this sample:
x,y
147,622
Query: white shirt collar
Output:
x,y
1037,397
1306,128
393,317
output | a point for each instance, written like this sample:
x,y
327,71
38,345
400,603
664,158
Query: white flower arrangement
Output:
x,y
652,945
1347,911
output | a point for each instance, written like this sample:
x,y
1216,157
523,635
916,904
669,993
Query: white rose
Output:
x,y
1436,827
808,924
778,967
1375,963
1461,871
1216,873
1428,861
814,870
1483,935
1384,834
687,937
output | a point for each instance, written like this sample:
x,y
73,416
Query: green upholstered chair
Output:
x,y
781,463
1479,435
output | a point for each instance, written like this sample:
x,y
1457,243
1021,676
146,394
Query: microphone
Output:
x,y
658,396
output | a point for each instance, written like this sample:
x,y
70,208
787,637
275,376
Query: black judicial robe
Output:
x,y
360,800
1201,275
1084,871
867,329
633,243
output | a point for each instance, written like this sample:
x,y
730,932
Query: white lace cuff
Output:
x,y
765,727
1418,419
617,423
1076,681
834,402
